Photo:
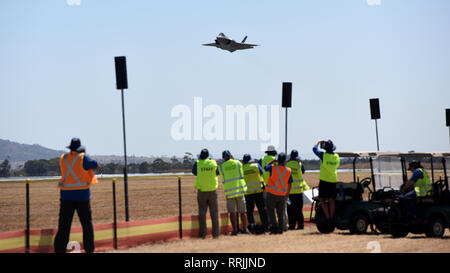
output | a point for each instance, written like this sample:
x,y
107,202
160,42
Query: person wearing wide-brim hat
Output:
x,y
77,176
329,162
254,194
278,188
298,186
235,188
271,152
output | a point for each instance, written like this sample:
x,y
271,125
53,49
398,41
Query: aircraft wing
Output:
x,y
244,46
211,44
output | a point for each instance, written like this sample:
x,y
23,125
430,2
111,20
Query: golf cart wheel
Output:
x,y
325,227
435,228
359,224
399,232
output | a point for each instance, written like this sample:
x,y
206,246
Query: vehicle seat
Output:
x,y
426,200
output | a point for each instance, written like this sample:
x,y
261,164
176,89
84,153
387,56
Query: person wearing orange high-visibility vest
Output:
x,y
277,188
77,176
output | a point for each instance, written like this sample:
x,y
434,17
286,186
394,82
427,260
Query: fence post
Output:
x,y
27,231
115,213
180,216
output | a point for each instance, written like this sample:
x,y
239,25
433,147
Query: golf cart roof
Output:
x,y
416,155
367,154
441,154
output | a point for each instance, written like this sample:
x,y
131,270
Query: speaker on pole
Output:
x,y
374,108
286,102
121,72
375,114
287,95
121,84
447,115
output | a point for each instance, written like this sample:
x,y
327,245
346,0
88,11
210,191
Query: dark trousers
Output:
x,y
66,211
256,199
208,199
408,201
295,211
276,203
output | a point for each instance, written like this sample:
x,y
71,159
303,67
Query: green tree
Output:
x,y
144,167
42,167
5,168
159,165
188,162
113,168
176,164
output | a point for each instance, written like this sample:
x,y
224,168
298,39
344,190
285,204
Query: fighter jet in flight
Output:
x,y
225,43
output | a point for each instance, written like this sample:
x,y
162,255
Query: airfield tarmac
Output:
x,y
157,197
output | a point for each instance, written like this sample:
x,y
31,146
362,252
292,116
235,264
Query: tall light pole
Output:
x,y
121,84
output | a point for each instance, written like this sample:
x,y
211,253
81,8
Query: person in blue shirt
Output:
x,y
204,154
408,195
274,202
76,200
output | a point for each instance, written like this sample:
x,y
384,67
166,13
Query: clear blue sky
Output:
x,y
58,78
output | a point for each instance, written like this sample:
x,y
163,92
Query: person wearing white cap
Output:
x,y
270,156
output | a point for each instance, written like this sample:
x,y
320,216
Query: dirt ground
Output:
x,y
308,240
157,197
149,198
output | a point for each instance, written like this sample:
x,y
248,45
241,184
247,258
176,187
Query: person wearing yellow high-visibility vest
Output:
x,y
234,186
298,186
77,176
329,163
206,184
254,194
270,156
419,185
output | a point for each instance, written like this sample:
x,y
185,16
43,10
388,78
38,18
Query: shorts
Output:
x,y
327,189
236,204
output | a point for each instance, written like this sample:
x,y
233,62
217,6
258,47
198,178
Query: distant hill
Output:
x,y
19,153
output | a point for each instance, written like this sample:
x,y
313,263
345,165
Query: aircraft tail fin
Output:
x,y
243,41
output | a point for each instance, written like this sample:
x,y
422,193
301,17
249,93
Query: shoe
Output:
x,y
274,231
244,231
291,228
234,233
252,226
300,228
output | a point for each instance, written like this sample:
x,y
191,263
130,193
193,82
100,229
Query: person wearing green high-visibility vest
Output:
x,y
329,163
419,185
234,186
298,186
206,184
254,195
270,156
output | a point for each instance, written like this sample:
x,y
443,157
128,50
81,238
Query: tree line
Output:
x,y
50,167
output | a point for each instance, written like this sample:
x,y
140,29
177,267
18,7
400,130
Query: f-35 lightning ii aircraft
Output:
x,y
225,43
